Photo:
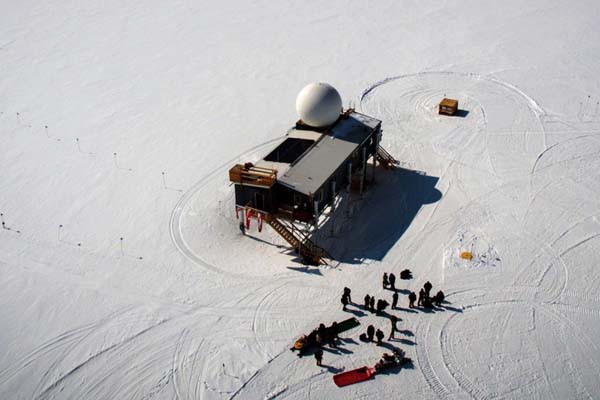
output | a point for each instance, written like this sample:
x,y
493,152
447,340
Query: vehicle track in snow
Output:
x,y
176,214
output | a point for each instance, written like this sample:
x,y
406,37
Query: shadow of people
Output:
x,y
307,270
408,310
344,350
358,313
388,346
333,370
406,332
406,341
449,308
333,350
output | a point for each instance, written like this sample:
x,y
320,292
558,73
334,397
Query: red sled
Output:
x,y
356,375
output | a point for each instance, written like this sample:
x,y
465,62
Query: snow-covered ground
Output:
x,y
123,273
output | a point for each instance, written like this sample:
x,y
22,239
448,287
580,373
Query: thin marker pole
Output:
x,y
587,102
117,164
59,229
164,180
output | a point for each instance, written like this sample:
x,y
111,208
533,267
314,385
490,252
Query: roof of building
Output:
x,y
312,170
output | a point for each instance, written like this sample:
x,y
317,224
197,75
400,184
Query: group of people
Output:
x,y
372,334
324,335
425,299
370,305
389,281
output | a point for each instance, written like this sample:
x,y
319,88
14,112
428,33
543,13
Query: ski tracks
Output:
x,y
176,214
423,358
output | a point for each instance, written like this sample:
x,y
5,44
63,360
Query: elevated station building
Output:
x,y
302,175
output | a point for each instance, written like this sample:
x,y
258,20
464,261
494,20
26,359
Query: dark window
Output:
x,y
290,150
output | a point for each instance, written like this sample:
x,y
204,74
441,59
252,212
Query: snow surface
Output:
x,y
120,119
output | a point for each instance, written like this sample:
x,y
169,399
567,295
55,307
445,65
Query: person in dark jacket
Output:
x,y
370,332
379,306
385,280
412,297
439,298
372,304
367,301
379,335
392,281
319,356
394,321
344,302
395,300
347,292
421,297
427,286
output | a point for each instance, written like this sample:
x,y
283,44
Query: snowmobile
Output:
x,y
305,342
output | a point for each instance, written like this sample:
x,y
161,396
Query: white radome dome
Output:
x,y
318,104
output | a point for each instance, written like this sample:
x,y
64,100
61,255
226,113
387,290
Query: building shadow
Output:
x,y
306,269
461,113
384,216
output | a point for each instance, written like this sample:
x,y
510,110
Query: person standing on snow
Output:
x,y
427,286
347,292
421,297
372,304
319,356
367,301
439,298
385,280
379,335
392,281
344,302
370,332
412,297
393,320
394,300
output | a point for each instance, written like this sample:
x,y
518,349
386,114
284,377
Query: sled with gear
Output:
x,y
354,376
387,362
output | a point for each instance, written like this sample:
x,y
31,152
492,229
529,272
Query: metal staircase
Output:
x,y
385,158
306,248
